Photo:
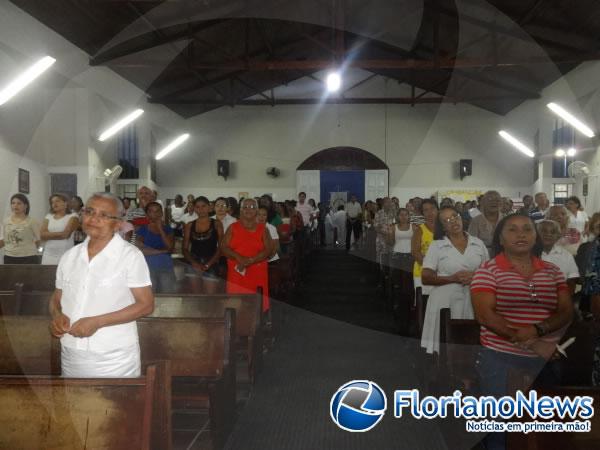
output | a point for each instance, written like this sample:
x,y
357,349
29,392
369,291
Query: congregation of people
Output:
x,y
523,273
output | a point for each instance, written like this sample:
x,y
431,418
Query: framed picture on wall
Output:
x,y
24,181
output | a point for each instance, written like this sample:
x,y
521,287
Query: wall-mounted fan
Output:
x,y
578,169
273,172
112,174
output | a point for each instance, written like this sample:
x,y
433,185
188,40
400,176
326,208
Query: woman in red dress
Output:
x,y
248,246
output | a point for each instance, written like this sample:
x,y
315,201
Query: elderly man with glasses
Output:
x,y
102,286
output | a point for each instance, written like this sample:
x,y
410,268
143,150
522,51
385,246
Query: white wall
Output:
x,y
421,145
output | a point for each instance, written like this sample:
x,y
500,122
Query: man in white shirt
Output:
x,y
102,287
549,231
304,208
354,223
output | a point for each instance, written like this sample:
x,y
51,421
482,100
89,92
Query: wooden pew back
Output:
x,y
247,308
10,300
26,346
195,347
47,412
34,277
459,345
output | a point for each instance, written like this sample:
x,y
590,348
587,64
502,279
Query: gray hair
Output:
x,y
553,223
112,197
250,199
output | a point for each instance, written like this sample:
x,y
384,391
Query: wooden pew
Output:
x,y
26,348
459,345
202,364
49,412
35,303
34,277
10,300
248,317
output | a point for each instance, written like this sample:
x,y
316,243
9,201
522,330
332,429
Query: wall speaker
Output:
x,y
223,168
465,167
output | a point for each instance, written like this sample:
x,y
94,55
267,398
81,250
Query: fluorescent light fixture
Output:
x,y
560,153
172,146
571,119
333,81
571,152
113,129
19,83
516,143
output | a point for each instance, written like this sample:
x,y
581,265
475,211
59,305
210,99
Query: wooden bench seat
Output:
x,y
40,412
248,317
27,349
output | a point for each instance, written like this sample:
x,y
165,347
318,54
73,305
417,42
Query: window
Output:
x,y
562,192
563,137
127,153
128,190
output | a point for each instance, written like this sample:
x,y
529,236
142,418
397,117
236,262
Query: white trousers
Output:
x,y
119,363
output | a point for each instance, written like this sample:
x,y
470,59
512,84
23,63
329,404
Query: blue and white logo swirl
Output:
x,y
358,406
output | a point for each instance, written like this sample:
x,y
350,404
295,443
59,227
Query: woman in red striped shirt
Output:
x,y
523,305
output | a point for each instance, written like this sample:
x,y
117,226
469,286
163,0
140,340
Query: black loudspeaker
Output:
x,y
223,168
465,167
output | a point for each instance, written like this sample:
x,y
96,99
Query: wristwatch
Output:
x,y
541,329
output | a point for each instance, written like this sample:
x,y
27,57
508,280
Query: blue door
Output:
x,y
350,181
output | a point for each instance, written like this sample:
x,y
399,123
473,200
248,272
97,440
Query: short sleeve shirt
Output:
x,y
100,286
446,260
162,261
20,237
563,260
520,301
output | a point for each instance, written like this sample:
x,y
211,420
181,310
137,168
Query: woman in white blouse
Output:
x,y
401,269
448,266
577,217
57,229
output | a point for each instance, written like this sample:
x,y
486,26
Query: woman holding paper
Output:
x,y
248,246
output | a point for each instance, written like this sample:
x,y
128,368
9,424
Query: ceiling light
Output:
x,y
516,143
172,146
571,119
334,82
113,129
560,153
19,83
571,152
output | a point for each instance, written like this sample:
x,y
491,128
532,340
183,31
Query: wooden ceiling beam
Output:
x,y
337,101
367,64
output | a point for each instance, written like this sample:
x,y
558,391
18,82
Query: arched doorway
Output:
x,y
334,174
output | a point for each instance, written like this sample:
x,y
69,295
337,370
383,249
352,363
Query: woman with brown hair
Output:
x,y
248,246
21,234
57,229
201,248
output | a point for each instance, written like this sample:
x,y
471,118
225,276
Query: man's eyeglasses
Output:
x,y
249,207
91,212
